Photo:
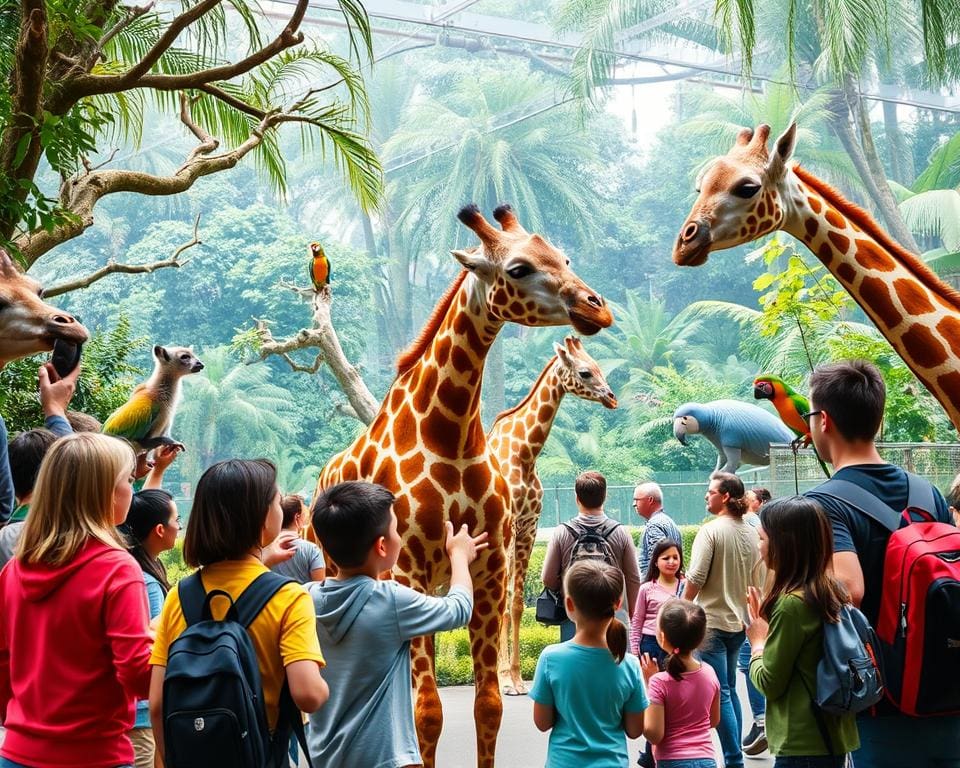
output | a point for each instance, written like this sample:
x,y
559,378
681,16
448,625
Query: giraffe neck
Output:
x,y
444,383
533,417
914,310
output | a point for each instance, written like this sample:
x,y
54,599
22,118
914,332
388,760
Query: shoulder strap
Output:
x,y
863,500
920,496
291,718
606,530
256,596
192,598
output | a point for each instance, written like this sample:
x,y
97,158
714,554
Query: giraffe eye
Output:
x,y
586,375
520,271
746,189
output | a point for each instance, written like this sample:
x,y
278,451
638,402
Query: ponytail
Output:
x,y
674,666
617,639
684,625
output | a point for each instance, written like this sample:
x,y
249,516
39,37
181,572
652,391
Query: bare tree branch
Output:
x,y
85,161
138,76
113,268
132,14
322,336
167,39
238,104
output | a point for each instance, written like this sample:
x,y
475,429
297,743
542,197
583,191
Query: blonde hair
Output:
x,y
73,498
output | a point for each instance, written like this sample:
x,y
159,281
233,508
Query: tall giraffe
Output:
x,y
516,439
427,444
27,324
750,192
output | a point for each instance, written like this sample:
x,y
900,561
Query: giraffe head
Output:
x,y
527,280
739,196
580,375
27,324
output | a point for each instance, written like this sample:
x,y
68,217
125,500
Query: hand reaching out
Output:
x,y
649,666
758,629
465,544
55,393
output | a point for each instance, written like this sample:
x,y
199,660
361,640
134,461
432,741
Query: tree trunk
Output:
x,y
901,161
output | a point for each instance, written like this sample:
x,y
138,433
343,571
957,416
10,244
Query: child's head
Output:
x,y
595,588
667,557
355,521
83,491
236,509
796,543
26,453
152,525
681,626
292,506
756,498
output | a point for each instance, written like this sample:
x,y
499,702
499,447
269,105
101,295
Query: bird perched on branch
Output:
x,y
790,406
319,266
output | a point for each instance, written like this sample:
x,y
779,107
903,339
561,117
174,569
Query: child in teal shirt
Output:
x,y
588,692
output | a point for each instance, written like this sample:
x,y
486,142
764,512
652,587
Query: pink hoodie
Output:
x,y
74,652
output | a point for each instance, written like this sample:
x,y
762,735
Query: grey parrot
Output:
x,y
741,432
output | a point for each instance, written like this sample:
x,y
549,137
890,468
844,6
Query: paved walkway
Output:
x,y
520,744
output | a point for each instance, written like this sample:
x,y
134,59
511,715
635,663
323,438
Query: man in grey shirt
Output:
x,y
648,502
591,492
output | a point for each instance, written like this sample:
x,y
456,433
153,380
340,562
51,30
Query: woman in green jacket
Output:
x,y
786,635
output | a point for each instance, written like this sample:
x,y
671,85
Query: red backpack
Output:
x,y
918,625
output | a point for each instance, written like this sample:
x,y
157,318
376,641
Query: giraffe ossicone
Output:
x,y
427,444
752,191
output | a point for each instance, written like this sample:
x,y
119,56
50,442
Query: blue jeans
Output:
x,y
758,704
815,761
917,742
693,762
649,644
720,650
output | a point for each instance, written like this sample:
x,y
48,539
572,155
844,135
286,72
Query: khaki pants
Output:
x,y
143,747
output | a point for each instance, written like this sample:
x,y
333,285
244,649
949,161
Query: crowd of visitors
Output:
x,y
103,661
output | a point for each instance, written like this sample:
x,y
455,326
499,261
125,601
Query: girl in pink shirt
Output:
x,y
663,581
684,700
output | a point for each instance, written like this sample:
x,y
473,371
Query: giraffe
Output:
x,y
516,439
750,192
427,444
27,324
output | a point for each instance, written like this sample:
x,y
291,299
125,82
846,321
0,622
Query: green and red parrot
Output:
x,y
319,266
790,406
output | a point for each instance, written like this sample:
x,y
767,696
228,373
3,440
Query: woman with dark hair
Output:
x,y
236,515
152,526
307,563
722,566
786,634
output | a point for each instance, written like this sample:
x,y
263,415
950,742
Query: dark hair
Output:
x,y
591,489
26,454
853,395
148,509
82,422
730,484
229,510
292,505
348,518
799,552
762,494
684,625
595,587
653,573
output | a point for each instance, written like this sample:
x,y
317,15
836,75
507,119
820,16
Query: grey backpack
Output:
x,y
848,676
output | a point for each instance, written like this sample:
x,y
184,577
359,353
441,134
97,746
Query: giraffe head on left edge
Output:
x,y
739,196
527,280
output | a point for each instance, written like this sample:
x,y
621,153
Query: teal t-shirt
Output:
x,y
590,693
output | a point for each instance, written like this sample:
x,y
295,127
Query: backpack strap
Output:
x,y
289,722
862,500
920,499
606,530
257,594
193,598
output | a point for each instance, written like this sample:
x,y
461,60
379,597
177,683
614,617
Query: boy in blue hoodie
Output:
x,y
365,626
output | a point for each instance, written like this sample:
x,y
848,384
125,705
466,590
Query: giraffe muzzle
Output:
x,y
693,245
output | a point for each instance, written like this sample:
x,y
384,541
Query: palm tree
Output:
x,y
232,410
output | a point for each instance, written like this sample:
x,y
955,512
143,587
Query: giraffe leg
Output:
x,y
524,546
484,641
504,659
427,711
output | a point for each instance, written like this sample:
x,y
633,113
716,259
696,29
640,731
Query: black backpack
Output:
x,y
591,542
213,708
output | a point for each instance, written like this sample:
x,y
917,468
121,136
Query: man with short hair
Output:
x,y
591,492
846,407
648,503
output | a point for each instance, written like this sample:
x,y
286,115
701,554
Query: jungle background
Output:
x,y
398,129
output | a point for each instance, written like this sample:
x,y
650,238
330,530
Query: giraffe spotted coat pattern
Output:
x,y
516,439
750,192
427,444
